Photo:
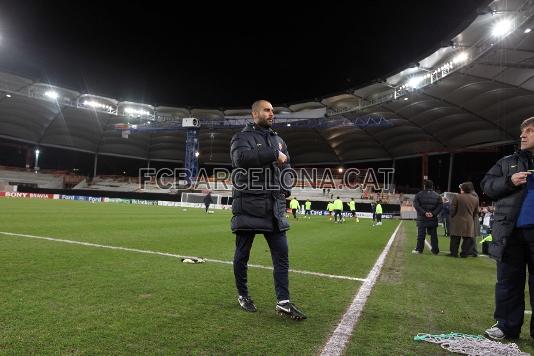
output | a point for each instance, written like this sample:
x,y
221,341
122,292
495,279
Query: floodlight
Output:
x,y
52,94
460,58
502,28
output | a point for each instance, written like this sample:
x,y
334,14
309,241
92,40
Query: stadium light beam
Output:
x,y
36,165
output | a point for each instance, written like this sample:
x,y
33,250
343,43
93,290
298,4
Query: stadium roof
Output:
x,y
473,92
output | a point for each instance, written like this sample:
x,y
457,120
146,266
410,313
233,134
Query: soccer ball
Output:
x,y
211,212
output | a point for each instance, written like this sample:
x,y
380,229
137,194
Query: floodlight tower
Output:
x,y
191,146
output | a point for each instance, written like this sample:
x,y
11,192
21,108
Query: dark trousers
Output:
x,y
294,211
279,253
446,224
378,217
207,207
422,230
510,287
467,245
337,213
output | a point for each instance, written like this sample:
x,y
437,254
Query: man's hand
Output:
x,y
428,214
282,158
520,178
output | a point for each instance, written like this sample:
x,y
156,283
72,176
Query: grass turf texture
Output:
x,y
70,299
429,294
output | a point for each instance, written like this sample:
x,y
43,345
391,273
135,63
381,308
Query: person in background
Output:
x,y
378,212
330,209
294,206
307,209
373,210
464,207
338,208
352,208
207,201
428,205
445,216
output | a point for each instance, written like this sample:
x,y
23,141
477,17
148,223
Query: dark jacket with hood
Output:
x,y
208,199
259,197
497,184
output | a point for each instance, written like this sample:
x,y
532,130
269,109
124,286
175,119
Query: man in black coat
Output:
x,y
207,201
428,205
511,184
259,158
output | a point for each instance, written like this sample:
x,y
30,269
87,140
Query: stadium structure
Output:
x,y
470,92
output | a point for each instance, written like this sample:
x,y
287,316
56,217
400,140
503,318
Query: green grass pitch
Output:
x,y
60,298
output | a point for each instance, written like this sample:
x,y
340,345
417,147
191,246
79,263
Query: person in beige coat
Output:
x,y
464,209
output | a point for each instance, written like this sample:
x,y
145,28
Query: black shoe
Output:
x,y
290,310
247,304
451,255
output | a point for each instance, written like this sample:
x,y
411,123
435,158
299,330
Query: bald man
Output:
x,y
259,204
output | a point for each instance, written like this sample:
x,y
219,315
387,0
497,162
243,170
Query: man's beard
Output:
x,y
264,124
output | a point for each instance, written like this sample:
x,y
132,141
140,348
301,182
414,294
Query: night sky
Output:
x,y
209,56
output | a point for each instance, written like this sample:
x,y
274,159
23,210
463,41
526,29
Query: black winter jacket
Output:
x,y
424,201
259,198
497,184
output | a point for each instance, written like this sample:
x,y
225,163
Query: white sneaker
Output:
x,y
494,333
416,252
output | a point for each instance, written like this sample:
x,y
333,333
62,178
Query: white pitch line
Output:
x,y
175,256
339,339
